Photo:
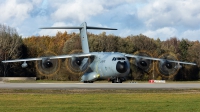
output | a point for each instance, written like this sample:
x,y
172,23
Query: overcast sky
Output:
x,y
154,18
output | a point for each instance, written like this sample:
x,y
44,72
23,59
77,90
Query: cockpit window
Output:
x,y
118,58
114,59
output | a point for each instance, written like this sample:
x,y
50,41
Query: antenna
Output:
x,y
83,33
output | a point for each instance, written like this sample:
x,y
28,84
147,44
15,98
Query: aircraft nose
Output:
x,y
121,67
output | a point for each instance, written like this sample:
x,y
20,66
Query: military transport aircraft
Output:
x,y
101,65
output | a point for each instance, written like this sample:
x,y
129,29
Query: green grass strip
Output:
x,y
82,100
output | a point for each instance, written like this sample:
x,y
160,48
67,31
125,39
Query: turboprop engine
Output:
x,y
47,63
142,63
47,66
77,65
166,67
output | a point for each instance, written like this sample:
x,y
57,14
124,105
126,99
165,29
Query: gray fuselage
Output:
x,y
107,65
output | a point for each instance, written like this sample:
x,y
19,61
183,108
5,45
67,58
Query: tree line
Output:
x,y
13,46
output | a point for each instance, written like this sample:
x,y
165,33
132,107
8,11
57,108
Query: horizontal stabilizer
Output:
x,y
79,27
100,28
76,27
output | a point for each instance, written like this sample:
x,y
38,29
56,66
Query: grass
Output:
x,y
98,100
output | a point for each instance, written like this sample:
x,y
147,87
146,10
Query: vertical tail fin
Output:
x,y
83,33
84,38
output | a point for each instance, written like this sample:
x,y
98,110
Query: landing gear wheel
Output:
x,y
117,80
113,81
88,81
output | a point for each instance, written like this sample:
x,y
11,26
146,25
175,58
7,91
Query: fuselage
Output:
x,y
107,65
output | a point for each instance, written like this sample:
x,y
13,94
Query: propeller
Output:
x,y
167,68
47,66
142,63
77,65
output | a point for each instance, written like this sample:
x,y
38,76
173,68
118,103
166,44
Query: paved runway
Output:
x,y
99,86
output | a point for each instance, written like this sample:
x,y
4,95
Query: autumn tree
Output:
x,y
73,43
45,46
97,43
184,46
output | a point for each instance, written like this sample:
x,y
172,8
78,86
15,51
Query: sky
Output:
x,y
154,18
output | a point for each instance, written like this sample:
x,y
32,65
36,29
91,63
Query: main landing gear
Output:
x,y
117,80
88,81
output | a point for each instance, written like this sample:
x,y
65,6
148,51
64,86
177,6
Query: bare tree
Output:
x,y
10,45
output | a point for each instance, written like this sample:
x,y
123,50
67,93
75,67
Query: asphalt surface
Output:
x,y
99,85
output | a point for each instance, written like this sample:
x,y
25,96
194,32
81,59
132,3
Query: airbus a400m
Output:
x,y
101,65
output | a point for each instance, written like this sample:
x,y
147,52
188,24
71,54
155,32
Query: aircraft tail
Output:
x,y
83,33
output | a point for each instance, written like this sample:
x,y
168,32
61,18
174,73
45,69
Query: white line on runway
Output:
x,y
60,83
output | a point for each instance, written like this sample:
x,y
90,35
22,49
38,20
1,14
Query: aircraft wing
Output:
x,y
50,57
158,59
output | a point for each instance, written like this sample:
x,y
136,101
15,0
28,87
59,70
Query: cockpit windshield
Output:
x,y
118,58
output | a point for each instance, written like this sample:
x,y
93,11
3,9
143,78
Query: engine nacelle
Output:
x,y
47,66
46,63
92,76
167,65
143,64
178,66
167,68
77,65
75,62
